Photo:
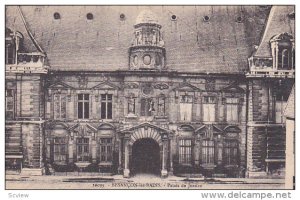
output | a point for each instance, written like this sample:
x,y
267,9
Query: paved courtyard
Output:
x,y
141,181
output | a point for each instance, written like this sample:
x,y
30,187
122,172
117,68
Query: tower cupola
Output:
x,y
147,50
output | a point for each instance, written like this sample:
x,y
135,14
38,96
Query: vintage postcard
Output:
x,y
149,97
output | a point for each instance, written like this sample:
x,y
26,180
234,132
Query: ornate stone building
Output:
x,y
156,89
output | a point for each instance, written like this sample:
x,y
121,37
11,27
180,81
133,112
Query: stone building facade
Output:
x,y
159,89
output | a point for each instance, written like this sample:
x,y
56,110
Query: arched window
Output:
x,y
285,59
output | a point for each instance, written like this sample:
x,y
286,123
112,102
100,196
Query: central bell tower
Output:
x,y
147,51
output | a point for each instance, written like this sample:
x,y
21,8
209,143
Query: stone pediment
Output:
x,y
233,88
60,85
146,125
186,87
82,129
208,128
232,129
106,86
282,37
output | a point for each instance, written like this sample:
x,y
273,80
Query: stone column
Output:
x,y
171,143
126,164
71,159
164,171
120,156
94,151
197,150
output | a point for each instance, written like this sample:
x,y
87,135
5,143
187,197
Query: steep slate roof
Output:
x,y
221,45
278,22
290,107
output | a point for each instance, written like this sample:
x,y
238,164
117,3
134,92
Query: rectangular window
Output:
x,y
83,106
105,149
60,101
232,109
83,150
208,152
186,104
231,152
106,106
10,104
147,107
185,151
60,150
209,109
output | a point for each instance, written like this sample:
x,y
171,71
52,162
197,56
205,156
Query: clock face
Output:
x,y
147,60
135,61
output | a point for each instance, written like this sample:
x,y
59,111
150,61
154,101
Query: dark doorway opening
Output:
x,y
145,157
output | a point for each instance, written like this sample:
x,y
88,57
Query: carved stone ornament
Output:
x,y
161,86
210,84
82,81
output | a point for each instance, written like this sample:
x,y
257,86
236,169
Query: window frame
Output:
x,y
227,156
105,108
185,151
106,145
10,51
58,146
206,157
285,58
83,149
207,102
60,105
83,101
230,105
184,100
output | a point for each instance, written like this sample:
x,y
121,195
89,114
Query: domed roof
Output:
x,y
146,17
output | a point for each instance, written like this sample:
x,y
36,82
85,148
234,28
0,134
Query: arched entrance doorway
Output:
x,y
145,156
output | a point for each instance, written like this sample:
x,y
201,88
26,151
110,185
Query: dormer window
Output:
x,y
9,53
283,51
9,47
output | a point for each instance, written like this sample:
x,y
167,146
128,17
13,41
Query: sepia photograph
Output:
x,y
149,97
